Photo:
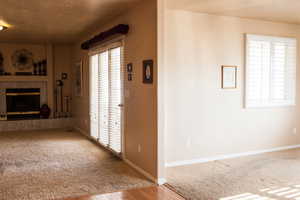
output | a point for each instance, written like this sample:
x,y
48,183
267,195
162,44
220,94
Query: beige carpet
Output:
x,y
261,177
44,165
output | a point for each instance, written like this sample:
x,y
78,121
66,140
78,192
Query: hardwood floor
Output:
x,y
150,193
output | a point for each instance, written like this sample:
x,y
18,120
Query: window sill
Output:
x,y
269,106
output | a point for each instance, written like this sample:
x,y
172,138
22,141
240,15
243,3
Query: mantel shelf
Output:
x,y
23,78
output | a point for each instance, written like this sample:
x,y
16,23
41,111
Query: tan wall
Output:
x,y
62,64
7,49
202,120
141,105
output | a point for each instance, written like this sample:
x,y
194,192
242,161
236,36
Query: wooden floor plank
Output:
x,y
150,193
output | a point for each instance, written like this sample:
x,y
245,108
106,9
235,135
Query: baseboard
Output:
x,y
229,156
85,134
88,136
82,132
161,181
146,174
140,170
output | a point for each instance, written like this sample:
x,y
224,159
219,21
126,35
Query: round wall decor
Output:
x,y
22,59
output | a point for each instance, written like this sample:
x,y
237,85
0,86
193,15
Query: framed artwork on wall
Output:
x,y
129,67
78,79
148,71
229,77
130,71
22,59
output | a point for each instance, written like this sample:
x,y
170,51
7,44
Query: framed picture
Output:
x,y
129,68
229,77
78,79
129,77
148,71
64,76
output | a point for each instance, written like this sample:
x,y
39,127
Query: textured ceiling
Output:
x,y
287,11
55,20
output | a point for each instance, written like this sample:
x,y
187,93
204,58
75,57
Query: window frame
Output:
x,y
271,39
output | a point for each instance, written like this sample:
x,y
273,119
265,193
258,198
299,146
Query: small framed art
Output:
x,y
130,71
229,77
130,68
148,71
78,79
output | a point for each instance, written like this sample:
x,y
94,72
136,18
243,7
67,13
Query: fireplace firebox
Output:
x,y
23,103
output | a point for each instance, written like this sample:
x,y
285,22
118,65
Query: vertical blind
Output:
x,y
103,98
115,100
106,96
270,71
94,96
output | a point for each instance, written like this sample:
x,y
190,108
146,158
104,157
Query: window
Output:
x,y
270,71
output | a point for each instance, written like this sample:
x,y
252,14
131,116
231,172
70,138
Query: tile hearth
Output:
x,y
38,124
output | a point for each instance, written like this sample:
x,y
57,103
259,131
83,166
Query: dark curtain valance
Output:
x,y
119,29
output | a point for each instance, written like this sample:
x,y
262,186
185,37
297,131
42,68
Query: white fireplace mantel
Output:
x,y
23,78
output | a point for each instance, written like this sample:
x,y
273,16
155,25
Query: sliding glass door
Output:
x,y
94,95
106,99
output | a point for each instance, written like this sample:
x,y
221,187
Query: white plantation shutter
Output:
x,y
106,95
270,71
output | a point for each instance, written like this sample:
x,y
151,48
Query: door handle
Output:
x,y
121,105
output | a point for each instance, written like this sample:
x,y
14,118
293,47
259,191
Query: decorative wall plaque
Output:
x,y
148,71
229,77
22,59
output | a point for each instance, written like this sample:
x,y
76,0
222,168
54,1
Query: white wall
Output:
x,y
201,119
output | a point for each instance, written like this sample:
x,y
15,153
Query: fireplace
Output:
x,y
23,103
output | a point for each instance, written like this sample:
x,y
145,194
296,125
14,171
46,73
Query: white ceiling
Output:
x,y
55,20
287,11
